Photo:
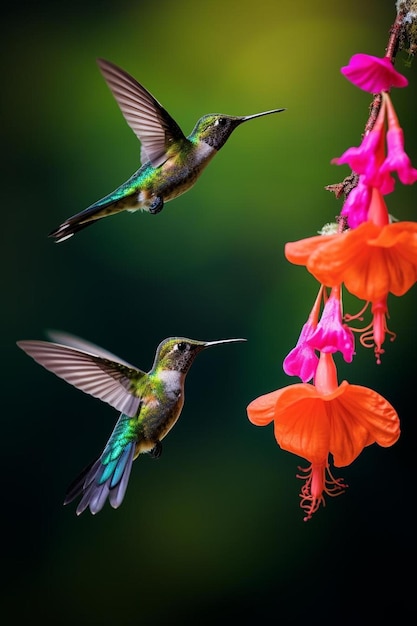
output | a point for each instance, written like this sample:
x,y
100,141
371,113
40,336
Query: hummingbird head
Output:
x,y
216,128
178,353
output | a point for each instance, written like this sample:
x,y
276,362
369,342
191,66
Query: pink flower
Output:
x,y
331,335
302,361
397,160
367,159
373,74
364,158
356,205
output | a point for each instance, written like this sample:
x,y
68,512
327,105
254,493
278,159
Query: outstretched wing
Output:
x,y
109,380
58,336
150,122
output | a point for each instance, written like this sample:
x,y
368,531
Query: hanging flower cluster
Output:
x,y
371,257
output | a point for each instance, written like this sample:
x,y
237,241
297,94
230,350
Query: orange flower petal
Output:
x,y
312,425
360,417
399,244
368,277
262,410
371,260
333,262
298,252
302,424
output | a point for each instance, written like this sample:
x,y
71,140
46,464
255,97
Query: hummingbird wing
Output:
x,y
109,380
68,339
151,123
108,476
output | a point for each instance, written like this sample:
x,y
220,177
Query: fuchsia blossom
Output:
x,y
356,205
371,259
327,335
302,360
397,160
331,335
323,419
373,74
367,159
382,151
379,154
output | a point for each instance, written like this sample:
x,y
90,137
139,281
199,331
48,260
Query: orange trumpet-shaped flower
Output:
x,y
313,421
372,260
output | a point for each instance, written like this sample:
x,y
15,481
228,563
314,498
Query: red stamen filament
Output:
x,y
358,316
367,333
320,481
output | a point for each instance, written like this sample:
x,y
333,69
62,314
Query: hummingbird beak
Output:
x,y
251,117
208,344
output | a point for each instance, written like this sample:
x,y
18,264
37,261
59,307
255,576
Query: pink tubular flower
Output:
x,y
370,160
397,160
356,205
373,74
302,360
367,159
331,335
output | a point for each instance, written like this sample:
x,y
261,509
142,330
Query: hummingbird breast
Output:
x,y
171,179
161,407
181,171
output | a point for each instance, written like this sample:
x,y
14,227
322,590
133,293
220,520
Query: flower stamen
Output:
x,y
319,481
348,317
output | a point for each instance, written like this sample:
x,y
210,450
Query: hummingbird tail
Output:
x,y
69,228
101,480
91,215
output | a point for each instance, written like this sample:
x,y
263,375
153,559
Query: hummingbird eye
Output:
x,y
181,346
220,121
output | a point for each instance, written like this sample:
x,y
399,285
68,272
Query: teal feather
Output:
x,y
108,476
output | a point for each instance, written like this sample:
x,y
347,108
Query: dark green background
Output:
x,y
213,530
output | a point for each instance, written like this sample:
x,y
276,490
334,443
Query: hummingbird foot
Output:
x,y
156,205
156,451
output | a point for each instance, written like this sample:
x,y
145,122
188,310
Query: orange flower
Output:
x,y
313,421
371,260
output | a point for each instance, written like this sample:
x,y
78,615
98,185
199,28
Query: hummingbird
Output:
x,y
150,404
170,162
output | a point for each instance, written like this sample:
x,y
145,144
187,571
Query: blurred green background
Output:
x,y
213,530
